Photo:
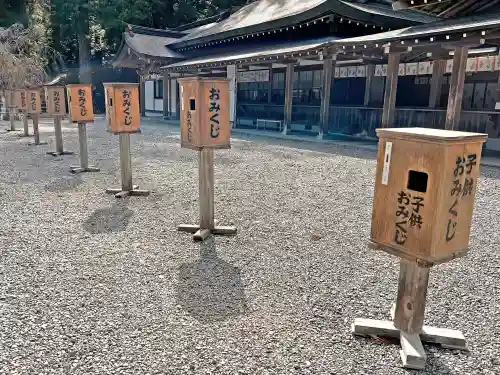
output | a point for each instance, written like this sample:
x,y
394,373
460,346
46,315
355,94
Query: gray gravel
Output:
x,y
91,285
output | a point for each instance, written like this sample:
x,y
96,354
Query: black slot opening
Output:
x,y
192,104
417,181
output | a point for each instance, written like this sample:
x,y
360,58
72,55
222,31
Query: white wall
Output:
x,y
152,104
149,95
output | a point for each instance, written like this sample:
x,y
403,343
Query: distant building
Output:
x,y
291,71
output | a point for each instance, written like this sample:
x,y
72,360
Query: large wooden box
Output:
x,y
80,106
122,107
205,113
425,189
22,100
56,104
34,101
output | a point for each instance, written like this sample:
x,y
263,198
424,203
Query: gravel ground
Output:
x,y
92,285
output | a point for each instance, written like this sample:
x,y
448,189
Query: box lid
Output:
x,y
431,135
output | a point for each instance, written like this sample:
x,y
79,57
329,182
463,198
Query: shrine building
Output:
x,y
332,68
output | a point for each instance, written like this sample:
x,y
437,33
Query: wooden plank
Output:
x,y
166,95
391,86
288,97
372,327
206,185
447,338
438,69
189,228
142,95
328,68
224,230
370,73
456,88
412,293
202,234
412,351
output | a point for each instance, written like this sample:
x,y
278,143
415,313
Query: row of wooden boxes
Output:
x,y
122,104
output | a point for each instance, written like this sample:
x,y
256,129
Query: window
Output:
x,y
479,96
307,87
278,88
253,92
158,89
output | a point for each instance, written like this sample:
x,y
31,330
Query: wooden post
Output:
x,y
84,154
25,124
391,86
125,162
412,293
456,88
328,66
36,132
59,140
12,115
166,94
206,186
438,69
288,97
142,95
370,73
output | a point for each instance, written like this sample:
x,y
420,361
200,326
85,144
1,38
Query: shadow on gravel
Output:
x,y
211,289
65,183
107,220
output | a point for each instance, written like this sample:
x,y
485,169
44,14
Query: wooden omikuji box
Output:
x,y
204,113
425,189
34,101
21,100
80,106
122,107
56,103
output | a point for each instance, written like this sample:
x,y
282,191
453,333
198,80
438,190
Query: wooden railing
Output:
x,y
364,120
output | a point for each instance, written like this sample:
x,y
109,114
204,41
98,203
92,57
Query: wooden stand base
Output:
x,y
412,352
407,320
200,234
78,169
35,143
120,193
207,224
55,153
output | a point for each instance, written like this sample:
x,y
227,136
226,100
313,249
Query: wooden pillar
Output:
x,y
166,94
412,293
324,115
288,97
456,88
391,86
438,69
142,94
370,73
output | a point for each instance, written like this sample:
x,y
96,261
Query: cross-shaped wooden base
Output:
x,y
200,234
120,193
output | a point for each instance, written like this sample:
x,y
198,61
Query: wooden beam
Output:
x,y
166,94
370,73
324,115
412,293
288,97
391,86
142,95
455,97
438,70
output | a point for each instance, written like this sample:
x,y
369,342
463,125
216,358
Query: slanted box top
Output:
x,y
431,135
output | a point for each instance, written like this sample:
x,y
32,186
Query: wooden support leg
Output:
x,y
84,155
59,140
25,126
206,201
36,132
408,318
127,189
12,117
